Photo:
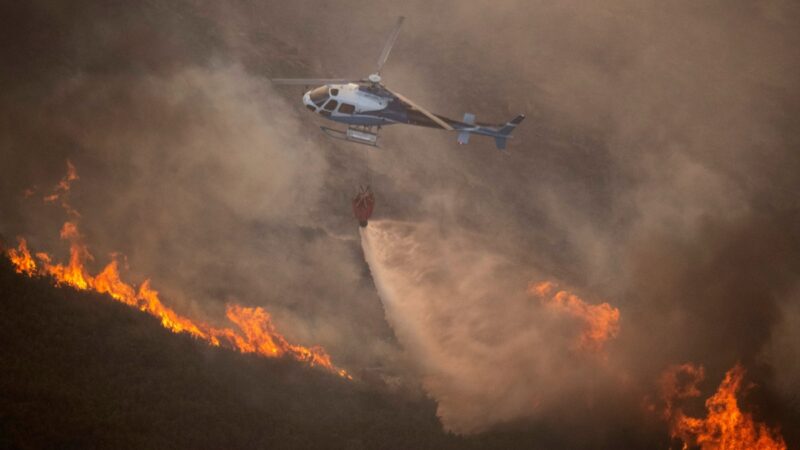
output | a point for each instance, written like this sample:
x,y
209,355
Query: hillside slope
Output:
x,y
81,371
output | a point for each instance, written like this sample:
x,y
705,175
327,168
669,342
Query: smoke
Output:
x,y
190,165
486,349
656,172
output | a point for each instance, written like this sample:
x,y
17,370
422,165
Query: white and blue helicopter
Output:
x,y
366,105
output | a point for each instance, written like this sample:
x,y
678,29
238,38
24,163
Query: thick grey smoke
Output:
x,y
657,170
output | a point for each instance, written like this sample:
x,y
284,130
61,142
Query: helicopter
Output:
x,y
366,105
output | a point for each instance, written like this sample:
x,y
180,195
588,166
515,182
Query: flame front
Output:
x,y
601,322
258,334
261,337
725,427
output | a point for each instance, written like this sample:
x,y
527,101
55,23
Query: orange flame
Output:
x,y
258,334
601,322
261,337
62,188
21,258
725,427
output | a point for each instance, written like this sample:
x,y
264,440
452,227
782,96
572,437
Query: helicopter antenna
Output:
x,y
387,48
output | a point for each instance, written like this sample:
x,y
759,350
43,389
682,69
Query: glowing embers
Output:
x,y
600,322
725,427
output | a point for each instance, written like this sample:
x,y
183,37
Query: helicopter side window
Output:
x,y
331,105
347,108
319,95
334,92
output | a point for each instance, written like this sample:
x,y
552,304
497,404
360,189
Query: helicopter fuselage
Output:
x,y
355,104
367,104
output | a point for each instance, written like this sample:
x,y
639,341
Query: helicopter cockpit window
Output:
x,y
331,105
319,95
334,92
347,108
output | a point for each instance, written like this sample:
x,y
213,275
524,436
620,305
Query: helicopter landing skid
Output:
x,y
367,135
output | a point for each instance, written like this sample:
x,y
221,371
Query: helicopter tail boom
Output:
x,y
500,133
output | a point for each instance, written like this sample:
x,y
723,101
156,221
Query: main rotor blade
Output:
x,y
430,115
389,44
310,81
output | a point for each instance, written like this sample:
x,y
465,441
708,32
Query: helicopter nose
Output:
x,y
309,104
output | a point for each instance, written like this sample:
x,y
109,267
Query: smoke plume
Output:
x,y
463,312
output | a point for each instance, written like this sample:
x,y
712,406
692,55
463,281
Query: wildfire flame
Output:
x,y
601,322
21,258
62,188
257,334
725,427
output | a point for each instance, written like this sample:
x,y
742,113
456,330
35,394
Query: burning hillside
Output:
x,y
256,333
83,371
